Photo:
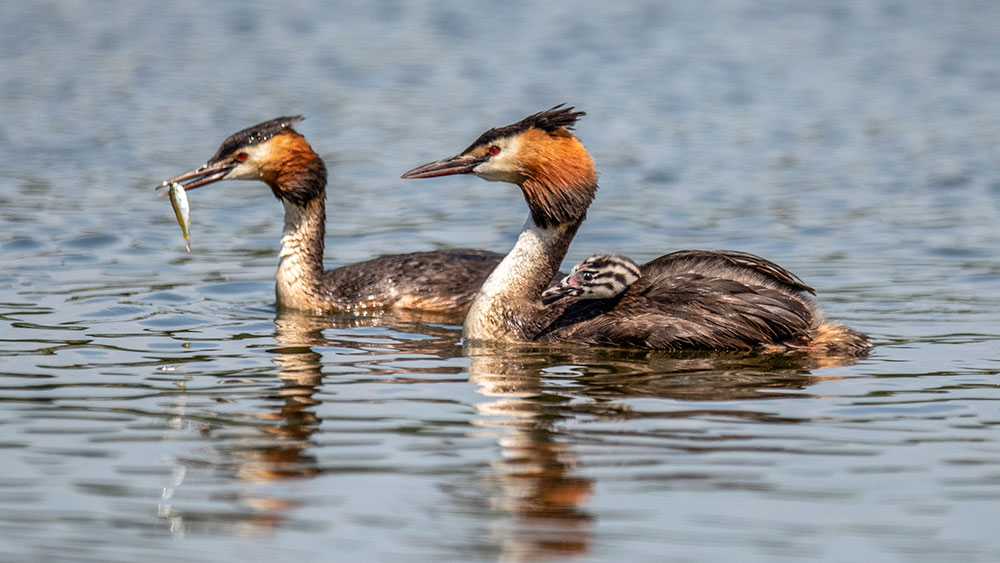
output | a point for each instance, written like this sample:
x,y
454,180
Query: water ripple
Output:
x,y
154,405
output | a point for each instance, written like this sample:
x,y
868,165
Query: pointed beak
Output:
x,y
445,167
559,291
201,176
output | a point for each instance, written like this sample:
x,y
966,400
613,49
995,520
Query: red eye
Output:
x,y
241,157
494,150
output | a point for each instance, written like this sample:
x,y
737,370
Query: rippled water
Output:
x,y
154,406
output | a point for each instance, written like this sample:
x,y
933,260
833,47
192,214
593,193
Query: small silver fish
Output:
x,y
182,210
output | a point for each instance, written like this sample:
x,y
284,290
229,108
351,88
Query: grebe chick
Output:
x,y
443,281
689,299
601,276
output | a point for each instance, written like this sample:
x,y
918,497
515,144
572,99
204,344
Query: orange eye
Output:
x,y
241,157
494,150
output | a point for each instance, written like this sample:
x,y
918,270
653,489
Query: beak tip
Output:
x,y
412,174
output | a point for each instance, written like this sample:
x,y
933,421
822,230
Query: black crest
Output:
x,y
549,120
256,134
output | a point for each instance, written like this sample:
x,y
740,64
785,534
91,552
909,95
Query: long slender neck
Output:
x,y
509,304
297,177
300,268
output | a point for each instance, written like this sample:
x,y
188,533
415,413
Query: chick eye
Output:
x,y
587,276
241,157
494,150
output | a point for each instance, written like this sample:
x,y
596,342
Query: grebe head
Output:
x,y
602,276
271,152
538,153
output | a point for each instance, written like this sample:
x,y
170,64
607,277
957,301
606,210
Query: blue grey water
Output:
x,y
155,407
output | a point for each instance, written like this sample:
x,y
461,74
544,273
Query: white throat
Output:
x,y
297,258
513,282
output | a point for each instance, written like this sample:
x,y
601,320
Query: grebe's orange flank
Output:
x,y
687,299
601,276
272,152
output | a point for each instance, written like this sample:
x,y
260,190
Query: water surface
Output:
x,y
155,406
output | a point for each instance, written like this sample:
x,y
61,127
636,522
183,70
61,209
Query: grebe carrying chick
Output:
x,y
441,281
690,299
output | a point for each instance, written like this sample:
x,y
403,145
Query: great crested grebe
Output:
x,y
442,281
689,299
601,276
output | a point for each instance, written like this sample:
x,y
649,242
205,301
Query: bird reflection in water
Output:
x,y
301,376
535,481
540,481
274,444
537,484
